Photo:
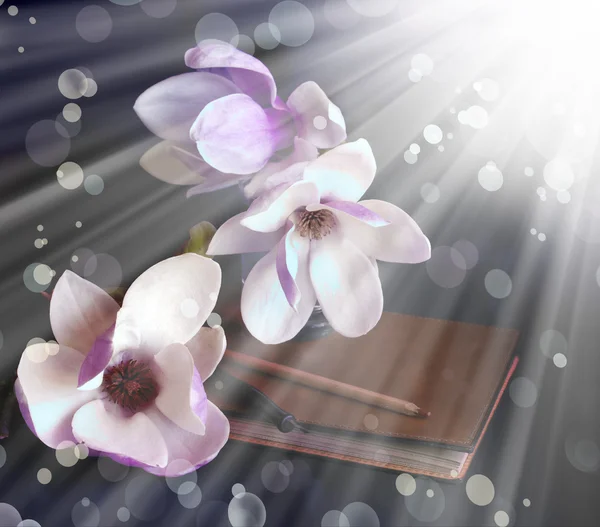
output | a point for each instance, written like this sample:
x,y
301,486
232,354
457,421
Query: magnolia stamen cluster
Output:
x,y
315,224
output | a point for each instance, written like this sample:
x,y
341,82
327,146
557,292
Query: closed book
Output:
x,y
456,371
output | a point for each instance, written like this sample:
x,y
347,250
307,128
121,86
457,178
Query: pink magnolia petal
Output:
x,y
195,449
344,173
211,179
358,211
271,210
47,377
288,177
179,398
289,169
97,359
318,120
177,163
168,303
265,199
104,426
236,135
286,263
248,73
198,397
24,406
216,183
169,108
80,312
233,238
207,349
265,181
401,241
347,285
265,308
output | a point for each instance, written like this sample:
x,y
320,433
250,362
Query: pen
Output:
x,y
256,401
327,385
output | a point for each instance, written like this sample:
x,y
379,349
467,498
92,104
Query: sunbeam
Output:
x,y
483,120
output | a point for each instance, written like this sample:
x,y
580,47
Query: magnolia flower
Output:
x,y
225,121
322,243
288,169
127,381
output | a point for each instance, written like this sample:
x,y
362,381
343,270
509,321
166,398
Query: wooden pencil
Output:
x,y
318,382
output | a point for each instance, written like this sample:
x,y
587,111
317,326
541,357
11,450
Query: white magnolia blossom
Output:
x,y
322,243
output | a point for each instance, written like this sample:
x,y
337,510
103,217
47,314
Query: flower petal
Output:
x,y
266,180
212,179
401,241
216,183
234,134
80,312
346,284
289,169
318,120
271,210
360,212
104,426
169,302
179,398
265,308
286,263
24,406
248,73
207,349
233,238
344,173
181,445
97,359
47,376
169,108
177,163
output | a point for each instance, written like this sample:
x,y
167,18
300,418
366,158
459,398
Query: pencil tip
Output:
x,y
423,413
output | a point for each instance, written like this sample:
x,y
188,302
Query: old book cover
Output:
x,y
452,369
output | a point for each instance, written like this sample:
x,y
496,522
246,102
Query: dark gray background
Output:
x,y
139,220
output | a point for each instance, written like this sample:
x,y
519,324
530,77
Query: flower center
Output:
x,y
130,384
315,224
